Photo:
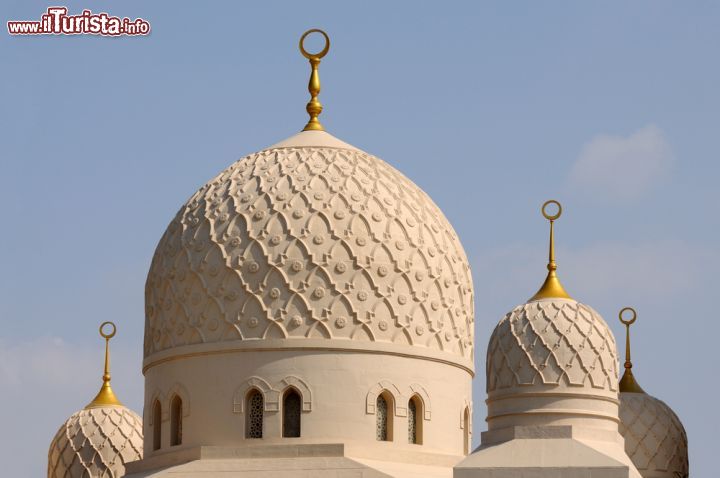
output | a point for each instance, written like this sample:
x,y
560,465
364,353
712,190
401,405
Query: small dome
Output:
x,y
313,242
96,442
655,438
552,342
552,361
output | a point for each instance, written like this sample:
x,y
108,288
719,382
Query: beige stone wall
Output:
x,y
338,388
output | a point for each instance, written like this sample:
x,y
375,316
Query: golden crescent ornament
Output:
x,y
316,56
314,107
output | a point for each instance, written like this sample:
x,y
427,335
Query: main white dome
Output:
x,y
311,240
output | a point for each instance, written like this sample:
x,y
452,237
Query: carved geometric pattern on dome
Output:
x,y
96,442
553,343
318,243
655,439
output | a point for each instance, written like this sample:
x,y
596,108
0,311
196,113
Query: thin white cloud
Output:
x,y
616,168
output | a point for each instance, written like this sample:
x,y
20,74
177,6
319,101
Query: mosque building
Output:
x,y
309,313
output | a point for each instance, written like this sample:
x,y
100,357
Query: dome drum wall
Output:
x,y
338,392
548,409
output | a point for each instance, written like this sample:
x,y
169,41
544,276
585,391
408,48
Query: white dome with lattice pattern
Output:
x,y
313,243
655,439
552,342
96,442
552,361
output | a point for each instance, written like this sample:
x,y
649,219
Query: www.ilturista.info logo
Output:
x,y
57,22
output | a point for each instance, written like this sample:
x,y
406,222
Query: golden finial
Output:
x,y
314,107
551,288
628,382
105,396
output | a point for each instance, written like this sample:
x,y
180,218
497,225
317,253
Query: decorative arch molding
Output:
x,y
419,390
271,397
301,387
179,390
399,400
157,396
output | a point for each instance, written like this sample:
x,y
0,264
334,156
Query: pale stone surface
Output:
x,y
306,139
338,390
316,242
655,438
552,397
96,442
541,458
290,461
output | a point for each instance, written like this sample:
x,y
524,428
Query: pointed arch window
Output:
x,y
466,431
291,413
384,417
255,405
176,416
157,424
415,420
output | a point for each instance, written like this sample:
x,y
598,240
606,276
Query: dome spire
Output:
x,y
105,396
628,382
551,288
314,107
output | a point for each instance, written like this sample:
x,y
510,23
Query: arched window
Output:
x,y
176,415
384,417
157,425
291,413
255,404
415,420
466,431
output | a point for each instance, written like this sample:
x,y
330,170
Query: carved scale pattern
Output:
x,y
557,342
310,243
96,442
655,439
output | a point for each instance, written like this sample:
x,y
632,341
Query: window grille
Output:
x,y
381,419
412,421
254,421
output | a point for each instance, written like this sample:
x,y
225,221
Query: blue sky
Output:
x,y
491,107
